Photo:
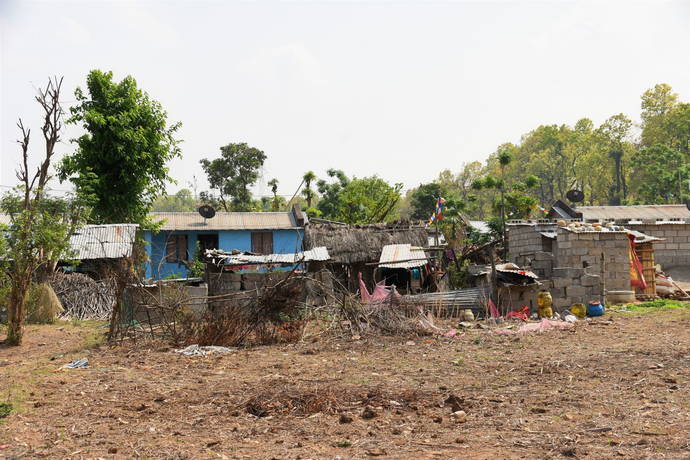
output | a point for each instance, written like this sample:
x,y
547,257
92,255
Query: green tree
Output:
x,y
613,133
275,205
657,103
121,162
182,201
308,193
233,173
661,173
423,200
329,204
358,201
37,233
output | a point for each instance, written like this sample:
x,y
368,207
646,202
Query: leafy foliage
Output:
x,y
233,173
358,201
121,162
662,174
182,201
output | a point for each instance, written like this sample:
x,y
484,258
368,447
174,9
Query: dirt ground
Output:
x,y
615,387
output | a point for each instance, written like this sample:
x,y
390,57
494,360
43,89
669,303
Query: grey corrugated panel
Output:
x,y
402,256
103,241
481,226
316,254
661,211
226,221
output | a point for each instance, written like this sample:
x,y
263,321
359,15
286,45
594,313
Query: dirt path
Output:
x,y
614,388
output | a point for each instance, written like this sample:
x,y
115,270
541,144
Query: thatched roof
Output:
x,y
349,244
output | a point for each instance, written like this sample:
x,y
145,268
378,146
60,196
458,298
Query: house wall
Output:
x,y
284,242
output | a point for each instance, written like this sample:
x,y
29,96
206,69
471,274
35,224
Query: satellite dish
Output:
x,y
575,195
207,211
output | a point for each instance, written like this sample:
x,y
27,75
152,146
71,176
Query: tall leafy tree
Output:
x,y
358,201
661,175
423,200
121,162
275,204
233,174
38,231
308,193
613,133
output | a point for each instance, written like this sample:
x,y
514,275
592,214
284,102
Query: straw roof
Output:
x,y
349,244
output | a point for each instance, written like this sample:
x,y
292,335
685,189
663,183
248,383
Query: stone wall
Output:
x,y
673,252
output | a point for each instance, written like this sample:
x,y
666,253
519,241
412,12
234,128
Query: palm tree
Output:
x,y
273,183
308,193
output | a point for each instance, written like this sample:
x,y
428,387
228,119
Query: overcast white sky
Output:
x,y
398,89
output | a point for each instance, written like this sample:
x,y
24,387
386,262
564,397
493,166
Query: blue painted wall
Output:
x,y
284,242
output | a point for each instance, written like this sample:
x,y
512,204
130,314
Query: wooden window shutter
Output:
x,y
262,242
176,248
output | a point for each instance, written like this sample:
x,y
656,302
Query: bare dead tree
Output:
x,y
26,256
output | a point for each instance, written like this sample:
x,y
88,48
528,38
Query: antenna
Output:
x,y
575,195
206,211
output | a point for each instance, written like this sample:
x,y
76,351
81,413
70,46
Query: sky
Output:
x,y
401,89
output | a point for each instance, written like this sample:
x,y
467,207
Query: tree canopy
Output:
x,y
233,174
121,161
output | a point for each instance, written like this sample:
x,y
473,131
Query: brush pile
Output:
x,y
388,317
268,314
82,297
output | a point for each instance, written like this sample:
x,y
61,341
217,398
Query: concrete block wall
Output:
x,y
525,239
584,250
673,252
572,285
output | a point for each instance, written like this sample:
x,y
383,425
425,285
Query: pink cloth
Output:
x,y
493,311
381,291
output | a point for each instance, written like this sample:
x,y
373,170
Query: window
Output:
x,y
262,242
176,248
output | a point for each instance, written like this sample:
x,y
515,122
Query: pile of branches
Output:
x,y
82,297
271,313
387,317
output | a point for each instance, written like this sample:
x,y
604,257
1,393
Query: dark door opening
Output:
x,y
207,241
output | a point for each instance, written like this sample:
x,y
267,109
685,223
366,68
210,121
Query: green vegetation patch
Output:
x,y
657,304
5,410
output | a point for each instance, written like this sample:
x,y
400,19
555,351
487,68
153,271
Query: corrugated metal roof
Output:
x,y
226,221
103,241
480,225
316,254
111,241
402,256
655,211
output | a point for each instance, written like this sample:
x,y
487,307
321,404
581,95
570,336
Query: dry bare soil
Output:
x,y
616,387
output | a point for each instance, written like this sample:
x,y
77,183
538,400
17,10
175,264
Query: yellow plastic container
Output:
x,y
545,304
579,310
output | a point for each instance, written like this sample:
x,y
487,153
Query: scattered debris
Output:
x,y
82,363
196,350
459,416
543,325
368,413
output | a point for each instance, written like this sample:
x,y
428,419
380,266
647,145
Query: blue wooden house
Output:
x,y
183,233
